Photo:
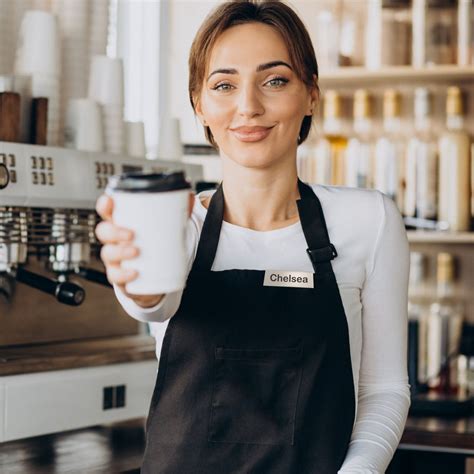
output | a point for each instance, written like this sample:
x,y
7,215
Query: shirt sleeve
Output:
x,y
384,392
161,312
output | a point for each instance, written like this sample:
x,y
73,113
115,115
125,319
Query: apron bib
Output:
x,y
255,372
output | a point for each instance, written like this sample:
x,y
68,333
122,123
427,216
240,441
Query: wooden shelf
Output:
x,y
415,236
351,76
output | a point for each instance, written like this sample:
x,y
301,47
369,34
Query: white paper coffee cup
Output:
x,y
155,207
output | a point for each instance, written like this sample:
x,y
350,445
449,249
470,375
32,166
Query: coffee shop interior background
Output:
x,y
91,88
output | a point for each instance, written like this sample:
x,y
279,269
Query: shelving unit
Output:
x,y
345,76
423,237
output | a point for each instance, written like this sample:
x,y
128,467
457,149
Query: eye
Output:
x,y
277,82
223,86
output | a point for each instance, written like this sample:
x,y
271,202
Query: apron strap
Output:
x,y
210,233
320,250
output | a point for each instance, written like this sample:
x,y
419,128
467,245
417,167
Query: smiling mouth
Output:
x,y
249,135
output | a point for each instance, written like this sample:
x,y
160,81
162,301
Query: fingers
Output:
x,y
114,254
109,233
119,275
104,207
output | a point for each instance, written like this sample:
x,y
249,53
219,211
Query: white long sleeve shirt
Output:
x,y
372,273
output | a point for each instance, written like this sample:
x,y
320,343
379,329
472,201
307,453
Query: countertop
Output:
x,y
118,448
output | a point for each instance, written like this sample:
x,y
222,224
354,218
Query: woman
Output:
x,y
286,352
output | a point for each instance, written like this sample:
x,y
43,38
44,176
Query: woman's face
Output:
x,y
252,99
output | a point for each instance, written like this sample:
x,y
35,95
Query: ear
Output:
x,y
314,97
198,110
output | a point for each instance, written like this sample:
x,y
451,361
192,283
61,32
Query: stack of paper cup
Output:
x,y
83,125
7,37
22,85
106,87
73,18
38,55
170,146
135,139
41,5
99,22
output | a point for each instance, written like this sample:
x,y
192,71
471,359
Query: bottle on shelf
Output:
x,y
305,159
351,43
421,194
331,147
472,183
390,150
327,34
419,301
465,364
360,150
388,34
454,166
441,32
465,34
444,329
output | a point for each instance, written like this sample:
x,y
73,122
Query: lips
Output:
x,y
251,134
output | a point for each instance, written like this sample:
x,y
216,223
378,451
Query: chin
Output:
x,y
252,158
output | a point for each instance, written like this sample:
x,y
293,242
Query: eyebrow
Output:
x,y
260,68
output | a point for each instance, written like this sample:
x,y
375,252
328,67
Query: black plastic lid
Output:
x,y
148,182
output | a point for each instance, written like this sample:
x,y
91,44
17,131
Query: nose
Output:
x,y
249,101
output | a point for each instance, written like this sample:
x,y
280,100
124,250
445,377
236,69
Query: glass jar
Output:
x,y
327,34
441,32
352,30
396,32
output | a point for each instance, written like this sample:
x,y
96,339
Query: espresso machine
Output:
x,y
70,356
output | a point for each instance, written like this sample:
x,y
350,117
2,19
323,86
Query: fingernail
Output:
x,y
130,252
125,234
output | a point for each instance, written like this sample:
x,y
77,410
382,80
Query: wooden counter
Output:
x,y
119,448
16,360
453,435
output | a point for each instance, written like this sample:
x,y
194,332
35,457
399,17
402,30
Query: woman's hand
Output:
x,y
118,246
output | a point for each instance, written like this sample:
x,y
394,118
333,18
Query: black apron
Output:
x,y
252,378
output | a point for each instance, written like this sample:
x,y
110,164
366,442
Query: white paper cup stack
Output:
x,y
170,146
106,87
83,125
99,22
41,5
7,37
38,55
135,139
73,18
22,85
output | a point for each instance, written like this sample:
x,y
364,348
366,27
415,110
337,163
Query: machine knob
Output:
x,y
4,176
70,293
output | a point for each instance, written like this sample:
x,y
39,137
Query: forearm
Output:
x,y
381,417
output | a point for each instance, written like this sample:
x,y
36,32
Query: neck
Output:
x,y
260,199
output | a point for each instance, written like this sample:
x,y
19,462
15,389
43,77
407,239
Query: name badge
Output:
x,y
294,279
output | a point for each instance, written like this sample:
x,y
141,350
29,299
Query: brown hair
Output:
x,y
237,12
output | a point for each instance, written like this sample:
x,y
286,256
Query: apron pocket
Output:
x,y
255,395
